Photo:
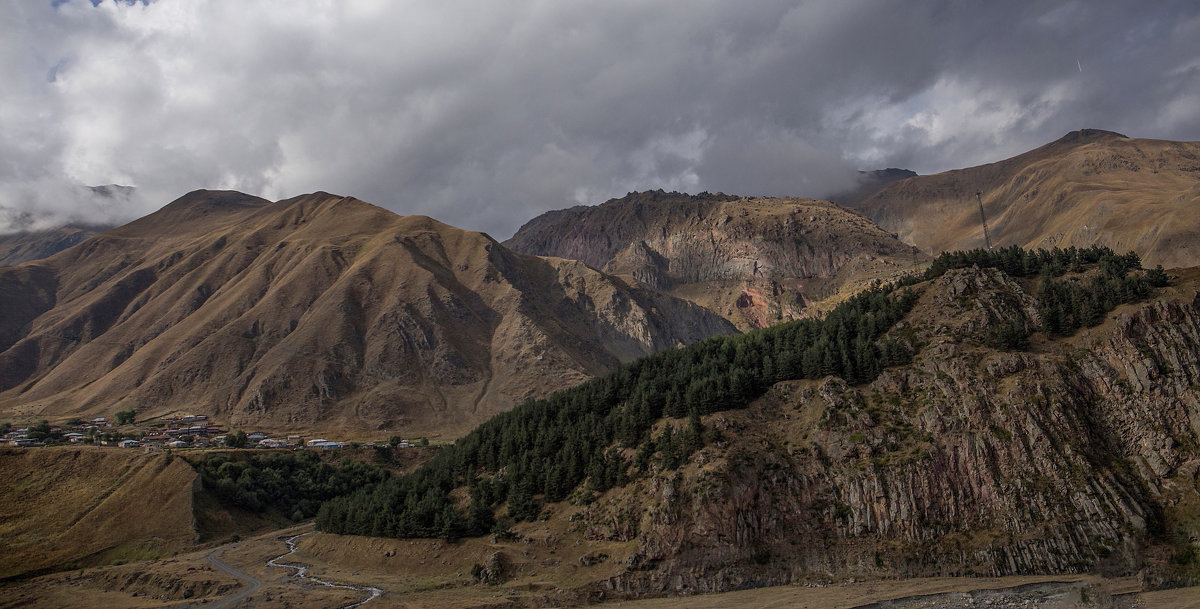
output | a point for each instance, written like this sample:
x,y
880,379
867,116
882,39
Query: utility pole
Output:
x,y
987,237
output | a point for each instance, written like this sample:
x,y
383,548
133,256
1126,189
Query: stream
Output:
x,y
302,573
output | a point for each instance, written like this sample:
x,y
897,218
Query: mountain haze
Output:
x,y
24,246
317,311
1090,187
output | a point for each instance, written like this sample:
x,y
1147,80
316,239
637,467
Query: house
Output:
x,y
74,437
129,444
219,440
274,443
294,440
315,441
178,444
255,437
157,438
327,445
28,442
100,422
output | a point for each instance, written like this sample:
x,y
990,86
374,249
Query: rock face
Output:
x,y
755,261
1089,187
1079,455
318,312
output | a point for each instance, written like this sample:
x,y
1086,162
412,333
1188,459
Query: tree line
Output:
x,y
577,440
293,484
609,431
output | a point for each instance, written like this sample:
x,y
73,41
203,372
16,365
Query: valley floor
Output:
x,y
196,580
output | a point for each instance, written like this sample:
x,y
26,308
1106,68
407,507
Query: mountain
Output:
x,y
24,246
964,453
869,183
1089,187
317,312
1078,455
756,261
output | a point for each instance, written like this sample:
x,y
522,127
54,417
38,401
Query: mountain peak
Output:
x,y
1083,136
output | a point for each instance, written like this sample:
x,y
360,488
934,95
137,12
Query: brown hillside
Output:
x,y
1090,187
755,261
318,312
81,506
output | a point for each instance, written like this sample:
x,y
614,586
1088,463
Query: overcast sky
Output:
x,y
484,114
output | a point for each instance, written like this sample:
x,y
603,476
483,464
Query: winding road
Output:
x,y
252,584
301,571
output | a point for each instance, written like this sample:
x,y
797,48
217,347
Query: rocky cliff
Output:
x,y
754,261
1079,454
318,312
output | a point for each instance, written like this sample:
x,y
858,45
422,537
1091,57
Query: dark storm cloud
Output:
x,y
484,114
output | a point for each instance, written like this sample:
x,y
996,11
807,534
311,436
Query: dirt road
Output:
x,y
252,584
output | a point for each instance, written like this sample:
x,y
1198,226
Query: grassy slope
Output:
x,y
81,506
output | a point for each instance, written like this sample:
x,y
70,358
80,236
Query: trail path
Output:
x,y
252,584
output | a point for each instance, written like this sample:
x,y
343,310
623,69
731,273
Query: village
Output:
x,y
194,431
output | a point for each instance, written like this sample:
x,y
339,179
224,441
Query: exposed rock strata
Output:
x,y
756,261
1079,455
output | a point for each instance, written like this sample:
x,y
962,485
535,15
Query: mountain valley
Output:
x,y
658,396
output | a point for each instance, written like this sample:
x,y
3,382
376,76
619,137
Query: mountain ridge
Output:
x,y
1090,187
316,310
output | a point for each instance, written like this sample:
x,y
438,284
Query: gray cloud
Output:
x,y
483,114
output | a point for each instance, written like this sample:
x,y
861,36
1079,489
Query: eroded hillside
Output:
x,y
1080,454
315,312
948,448
755,261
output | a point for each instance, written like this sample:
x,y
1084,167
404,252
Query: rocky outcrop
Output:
x,y
754,261
1079,455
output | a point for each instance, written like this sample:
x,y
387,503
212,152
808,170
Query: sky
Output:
x,y
483,114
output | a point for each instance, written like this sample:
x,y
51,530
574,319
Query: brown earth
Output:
x,y
312,314
430,574
70,507
755,261
1090,187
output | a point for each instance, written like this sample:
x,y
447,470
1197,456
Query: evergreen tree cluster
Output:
x,y
579,440
1067,305
294,484
578,436
1016,262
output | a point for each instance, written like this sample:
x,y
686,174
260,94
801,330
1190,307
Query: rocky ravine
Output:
x,y
1080,454
755,261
